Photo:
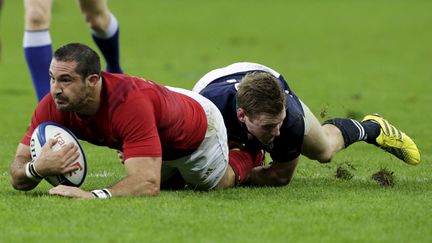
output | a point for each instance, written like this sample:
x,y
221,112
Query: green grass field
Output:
x,y
343,58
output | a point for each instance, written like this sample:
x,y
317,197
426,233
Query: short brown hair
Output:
x,y
88,61
259,92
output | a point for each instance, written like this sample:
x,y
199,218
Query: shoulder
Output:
x,y
221,94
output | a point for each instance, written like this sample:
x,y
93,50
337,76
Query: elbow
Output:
x,y
21,186
152,188
20,182
282,177
137,186
148,189
154,191
277,180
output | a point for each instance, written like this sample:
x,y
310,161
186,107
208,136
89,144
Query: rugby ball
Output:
x,y
48,130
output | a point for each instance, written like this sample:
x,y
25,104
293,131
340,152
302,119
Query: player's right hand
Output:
x,y
54,159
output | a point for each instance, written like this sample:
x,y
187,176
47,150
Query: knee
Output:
x,y
97,20
37,18
324,157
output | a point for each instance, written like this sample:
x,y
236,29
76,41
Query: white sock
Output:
x,y
36,38
112,29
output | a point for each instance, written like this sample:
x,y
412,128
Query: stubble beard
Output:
x,y
78,105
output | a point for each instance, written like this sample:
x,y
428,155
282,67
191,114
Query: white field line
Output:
x,y
103,174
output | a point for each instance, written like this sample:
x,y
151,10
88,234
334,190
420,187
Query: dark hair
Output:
x,y
88,61
259,92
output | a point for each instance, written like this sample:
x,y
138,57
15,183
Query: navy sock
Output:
x,y
110,50
353,131
372,130
38,60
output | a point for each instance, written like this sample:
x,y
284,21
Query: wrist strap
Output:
x,y
102,193
31,172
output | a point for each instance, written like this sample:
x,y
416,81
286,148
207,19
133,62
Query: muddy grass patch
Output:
x,y
344,172
384,178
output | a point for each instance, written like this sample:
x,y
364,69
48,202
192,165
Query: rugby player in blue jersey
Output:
x,y
262,113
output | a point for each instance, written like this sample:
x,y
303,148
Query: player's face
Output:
x,y
68,89
264,126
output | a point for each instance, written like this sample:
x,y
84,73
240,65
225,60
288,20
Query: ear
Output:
x,y
93,79
241,115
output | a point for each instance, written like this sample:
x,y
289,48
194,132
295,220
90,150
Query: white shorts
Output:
x,y
308,117
204,168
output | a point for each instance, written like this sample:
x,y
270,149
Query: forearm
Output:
x,y
276,174
19,179
143,178
135,185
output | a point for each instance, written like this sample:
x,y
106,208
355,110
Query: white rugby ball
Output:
x,y
48,130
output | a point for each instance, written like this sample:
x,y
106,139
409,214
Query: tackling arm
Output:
x,y
275,174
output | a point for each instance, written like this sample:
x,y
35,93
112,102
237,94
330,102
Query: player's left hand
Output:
x,y
70,191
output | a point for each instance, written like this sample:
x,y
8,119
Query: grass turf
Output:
x,y
343,58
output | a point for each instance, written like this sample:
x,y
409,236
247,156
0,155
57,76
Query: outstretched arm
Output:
x,y
143,179
275,174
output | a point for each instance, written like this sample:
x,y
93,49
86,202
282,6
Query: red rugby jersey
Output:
x,y
137,116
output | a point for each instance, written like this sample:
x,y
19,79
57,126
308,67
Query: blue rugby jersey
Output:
x,y
222,92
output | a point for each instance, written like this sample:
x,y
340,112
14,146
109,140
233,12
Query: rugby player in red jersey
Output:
x,y
161,131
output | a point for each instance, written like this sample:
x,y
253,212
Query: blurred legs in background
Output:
x,y
37,42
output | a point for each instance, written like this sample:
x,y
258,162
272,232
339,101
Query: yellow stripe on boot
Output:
x,y
395,141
